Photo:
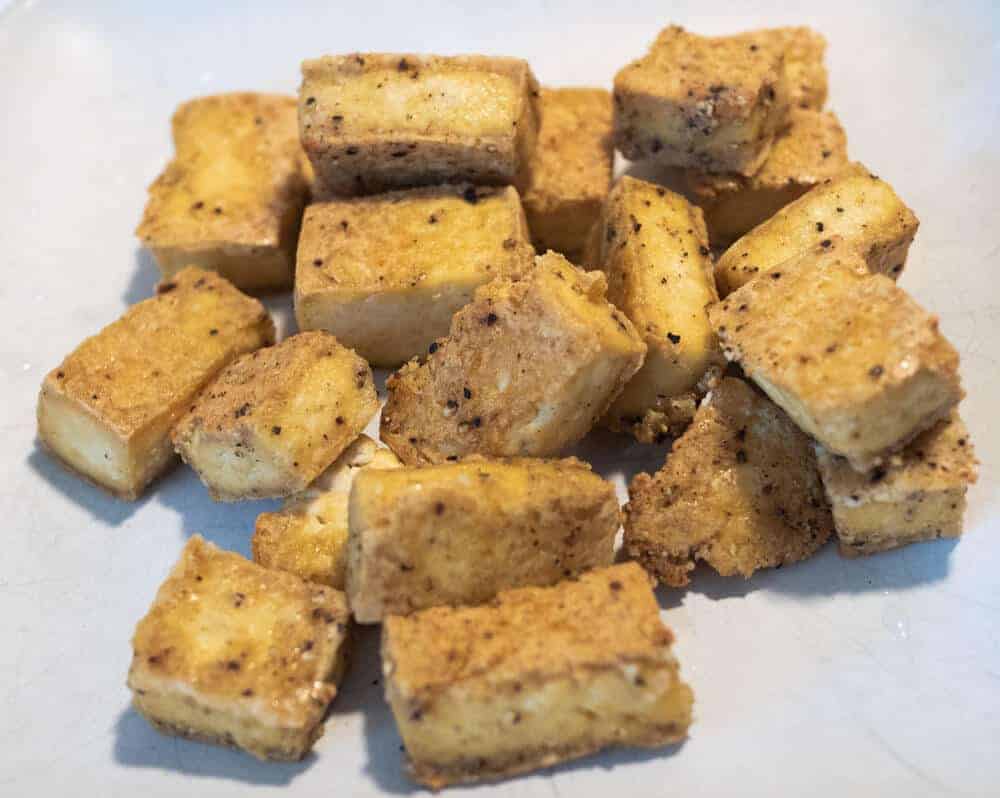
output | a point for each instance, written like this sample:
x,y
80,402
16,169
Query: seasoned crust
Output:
x,y
739,491
804,51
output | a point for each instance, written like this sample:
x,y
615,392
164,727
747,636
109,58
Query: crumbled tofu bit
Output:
x,y
739,491
537,677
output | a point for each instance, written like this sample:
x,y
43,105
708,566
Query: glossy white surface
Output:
x,y
873,677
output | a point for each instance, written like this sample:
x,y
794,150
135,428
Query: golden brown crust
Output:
x,y
804,51
739,491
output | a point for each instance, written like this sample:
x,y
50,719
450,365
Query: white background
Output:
x,y
873,677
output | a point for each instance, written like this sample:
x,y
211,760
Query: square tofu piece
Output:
x,y
460,533
711,103
654,250
234,654
107,410
570,171
385,274
847,354
739,491
918,495
539,676
375,121
812,149
528,368
856,206
308,536
231,199
804,51
271,422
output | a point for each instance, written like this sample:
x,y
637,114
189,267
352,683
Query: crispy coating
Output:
x,y
460,533
371,122
712,103
811,149
570,169
231,199
528,368
739,491
234,654
918,495
653,246
856,206
308,535
804,50
272,421
107,409
847,354
385,274
539,676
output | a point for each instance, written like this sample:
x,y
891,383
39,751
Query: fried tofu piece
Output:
x,y
308,535
459,533
918,495
711,103
570,170
106,411
231,199
654,250
234,654
739,491
856,206
804,51
811,149
385,274
539,676
271,422
372,122
847,354
528,368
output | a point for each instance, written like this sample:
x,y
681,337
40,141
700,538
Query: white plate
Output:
x,y
877,676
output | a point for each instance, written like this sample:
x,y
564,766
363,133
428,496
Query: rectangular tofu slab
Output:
x,y
540,676
653,247
739,491
711,103
570,170
528,368
308,535
856,206
919,494
271,422
107,410
231,199
385,274
811,149
371,122
847,354
461,532
234,654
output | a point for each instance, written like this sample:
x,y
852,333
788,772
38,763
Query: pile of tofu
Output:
x,y
447,218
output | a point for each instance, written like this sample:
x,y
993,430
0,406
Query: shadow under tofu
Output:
x,y
145,276
610,453
669,177
139,745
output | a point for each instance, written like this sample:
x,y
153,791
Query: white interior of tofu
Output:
x,y
230,471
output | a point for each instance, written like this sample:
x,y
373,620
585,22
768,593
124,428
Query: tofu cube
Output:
x,y
570,170
711,103
308,535
847,354
856,206
376,121
459,533
106,411
385,274
234,654
804,50
271,422
812,149
918,495
540,676
528,368
654,250
739,491
231,199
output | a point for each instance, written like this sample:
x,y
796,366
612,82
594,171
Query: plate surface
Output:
x,y
874,677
